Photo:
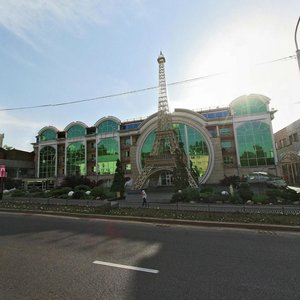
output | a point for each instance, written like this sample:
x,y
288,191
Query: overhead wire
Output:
x,y
135,91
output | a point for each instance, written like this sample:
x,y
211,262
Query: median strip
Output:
x,y
104,263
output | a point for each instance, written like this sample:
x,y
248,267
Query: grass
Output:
x,y
159,213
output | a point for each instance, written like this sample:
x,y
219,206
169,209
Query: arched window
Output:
x,y
108,154
76,131
76,159
249,106
48,135
47,162
108,126
193,143
255,147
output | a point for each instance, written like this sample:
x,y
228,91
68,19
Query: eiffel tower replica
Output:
x,y
163,154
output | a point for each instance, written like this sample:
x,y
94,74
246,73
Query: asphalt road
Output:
x,y
49,257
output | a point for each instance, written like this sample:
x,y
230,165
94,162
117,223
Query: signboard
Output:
x,y
2,171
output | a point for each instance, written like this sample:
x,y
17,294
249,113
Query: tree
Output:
x,y
118,184
180,174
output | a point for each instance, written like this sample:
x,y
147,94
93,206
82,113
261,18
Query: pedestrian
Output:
x,y
144,197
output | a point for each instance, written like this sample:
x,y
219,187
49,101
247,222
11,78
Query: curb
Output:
x,y
253,226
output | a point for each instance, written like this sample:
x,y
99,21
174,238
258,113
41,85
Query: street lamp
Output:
x,y
296,43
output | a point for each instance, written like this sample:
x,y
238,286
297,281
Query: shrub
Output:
x,y
204,197
10,183
261,198
186,195
206,189
273,194
290,195
37,194
101,192
59,192
79,195
73,181
18,193
82,187
235,199
244,192
228,180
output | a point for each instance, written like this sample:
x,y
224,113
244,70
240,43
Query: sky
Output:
x,y
62,51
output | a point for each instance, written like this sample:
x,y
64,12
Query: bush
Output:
x,y
290,195
101,192
235,199
273,194
82,187
206,189
261,198
12,183
207,197
186,195
244,192
230,180
79,195
73,181
59,192
18,193
37,194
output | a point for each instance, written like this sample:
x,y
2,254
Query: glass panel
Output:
x,y
48,135
255,146
108,154
249,106
76,159
193,144
108,126
224,131
76,131
47,162
226,144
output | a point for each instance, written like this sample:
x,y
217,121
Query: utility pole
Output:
x,y
296,43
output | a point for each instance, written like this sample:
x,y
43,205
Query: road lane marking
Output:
x,y
98,262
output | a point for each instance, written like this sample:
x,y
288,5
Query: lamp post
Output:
x,y
296,43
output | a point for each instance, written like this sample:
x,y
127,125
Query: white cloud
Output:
x,y
26,18
8,120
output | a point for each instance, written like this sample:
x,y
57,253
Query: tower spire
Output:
x,y
164,116
165,147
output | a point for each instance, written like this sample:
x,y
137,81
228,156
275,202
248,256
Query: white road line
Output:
x,y
98,262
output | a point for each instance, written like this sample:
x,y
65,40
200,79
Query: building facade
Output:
x,y
227,141
18,164
287,141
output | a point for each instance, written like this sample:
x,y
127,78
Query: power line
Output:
x,y
135,91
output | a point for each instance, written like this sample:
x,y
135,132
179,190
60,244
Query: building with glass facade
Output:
x,y
227,141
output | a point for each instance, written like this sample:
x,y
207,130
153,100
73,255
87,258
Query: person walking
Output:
x,y
144,197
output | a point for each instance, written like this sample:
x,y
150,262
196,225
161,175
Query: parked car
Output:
x,y
276,182
266,178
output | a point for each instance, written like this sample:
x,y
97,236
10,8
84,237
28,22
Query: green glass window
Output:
x,y
76,159
47,162
198,151
76,131
191,141
228,159
48,135
108,126
226,144
255,147
249,106
108,154
225,131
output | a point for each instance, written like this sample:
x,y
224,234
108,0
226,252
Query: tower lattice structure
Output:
x,y
162,156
